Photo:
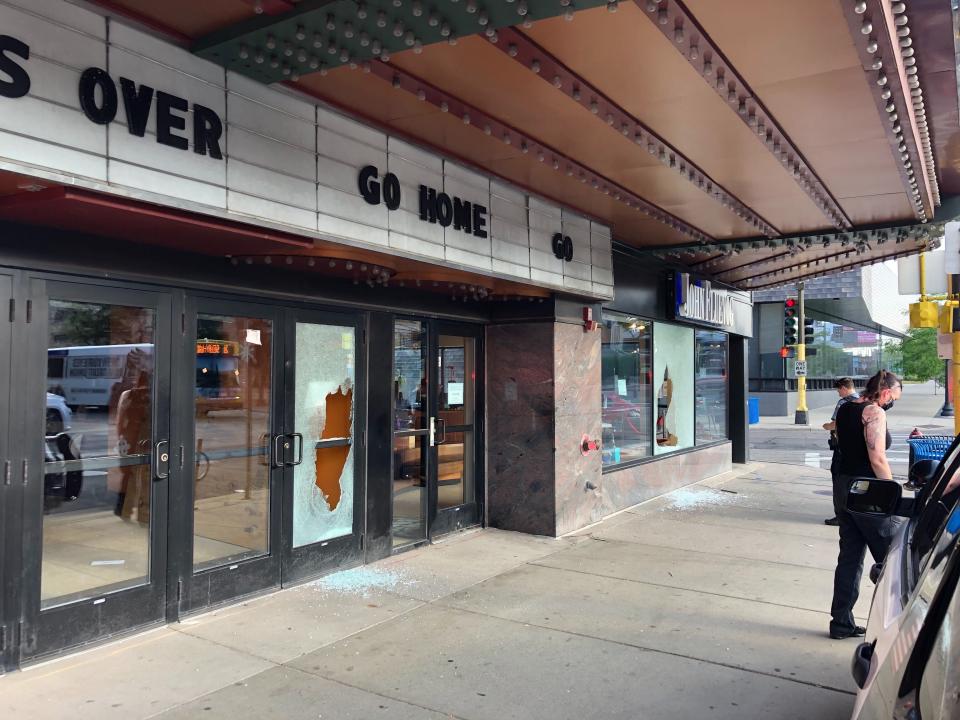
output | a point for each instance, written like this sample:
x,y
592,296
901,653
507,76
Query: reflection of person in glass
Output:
x,y
133,433
666,412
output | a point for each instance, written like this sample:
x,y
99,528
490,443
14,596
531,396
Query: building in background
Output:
x,y
856,313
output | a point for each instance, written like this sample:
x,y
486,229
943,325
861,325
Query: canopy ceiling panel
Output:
x,y
803,66
644,73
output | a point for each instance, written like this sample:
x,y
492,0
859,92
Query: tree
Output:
x,y
919,352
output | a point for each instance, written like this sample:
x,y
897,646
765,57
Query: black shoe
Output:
x,y
832,521
858,631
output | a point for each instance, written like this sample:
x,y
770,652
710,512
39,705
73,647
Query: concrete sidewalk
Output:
x,y
708,602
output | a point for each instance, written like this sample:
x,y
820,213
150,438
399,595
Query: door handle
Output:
x,y
442,427
299,438
280,455
161,460
432,432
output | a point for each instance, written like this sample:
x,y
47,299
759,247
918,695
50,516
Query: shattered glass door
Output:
x,y
323,501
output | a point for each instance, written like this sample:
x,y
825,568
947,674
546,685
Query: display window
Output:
x,y
711,386
664,388
626,387
673,382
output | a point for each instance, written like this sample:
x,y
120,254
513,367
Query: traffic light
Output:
x,y
787,352
924,315
807,331
790,311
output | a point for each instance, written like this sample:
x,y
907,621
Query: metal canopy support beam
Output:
x,y
880,31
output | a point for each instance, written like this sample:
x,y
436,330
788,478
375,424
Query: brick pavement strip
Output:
x,y
710,600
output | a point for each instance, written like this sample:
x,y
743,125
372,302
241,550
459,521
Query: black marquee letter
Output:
x,y
556,243
391,191
369,187
207,130
428,204
462,215
479,220
19,83
90,80
167,122
136,102
444,209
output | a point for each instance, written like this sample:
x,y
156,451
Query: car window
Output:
x,y
935,508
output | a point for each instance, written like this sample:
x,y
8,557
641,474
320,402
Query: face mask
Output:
x,y
888,405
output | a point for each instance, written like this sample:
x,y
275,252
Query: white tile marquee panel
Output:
x,y
287,163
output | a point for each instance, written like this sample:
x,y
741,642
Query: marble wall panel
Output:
x,y
520,370
578,477
520,428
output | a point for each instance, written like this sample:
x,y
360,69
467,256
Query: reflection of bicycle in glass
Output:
x,y
202,462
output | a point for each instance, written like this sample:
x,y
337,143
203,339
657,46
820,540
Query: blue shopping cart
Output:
x,y
929,447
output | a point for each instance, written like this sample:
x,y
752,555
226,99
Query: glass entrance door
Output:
x,y
437,461
228,501
98,460
458,461
323,498
413,431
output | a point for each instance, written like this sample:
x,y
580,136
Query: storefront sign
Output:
x,y
699,300
100,102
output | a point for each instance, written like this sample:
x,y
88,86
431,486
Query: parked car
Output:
x,y
908,667
58,414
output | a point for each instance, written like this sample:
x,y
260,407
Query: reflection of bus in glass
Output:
x,y
91,375
86,375
218,375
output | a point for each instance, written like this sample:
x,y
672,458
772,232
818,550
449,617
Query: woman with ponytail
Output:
x,y
863,440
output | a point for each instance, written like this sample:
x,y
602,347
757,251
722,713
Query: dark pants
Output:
x,y
837,485
857,533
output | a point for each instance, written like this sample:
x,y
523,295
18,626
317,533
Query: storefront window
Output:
x,y
626,389
673,383
711,386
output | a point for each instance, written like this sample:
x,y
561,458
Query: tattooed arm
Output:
x,y
875,435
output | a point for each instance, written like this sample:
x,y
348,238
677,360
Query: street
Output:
x,y
778,440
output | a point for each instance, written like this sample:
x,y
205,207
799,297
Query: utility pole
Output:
x,y
802,416
947,409
953,286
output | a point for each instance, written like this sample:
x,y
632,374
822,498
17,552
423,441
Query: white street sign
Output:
x,y
800,368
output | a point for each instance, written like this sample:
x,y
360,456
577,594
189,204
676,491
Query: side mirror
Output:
x,y
873,497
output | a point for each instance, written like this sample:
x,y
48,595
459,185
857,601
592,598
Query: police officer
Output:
x,y
847,393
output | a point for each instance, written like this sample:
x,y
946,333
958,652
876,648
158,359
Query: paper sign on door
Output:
x,y
454,393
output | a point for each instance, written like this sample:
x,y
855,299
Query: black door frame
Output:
x,y
10,491
190,591
324,556
48,632
441,522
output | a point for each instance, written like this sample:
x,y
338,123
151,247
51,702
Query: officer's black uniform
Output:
x,y
856,533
